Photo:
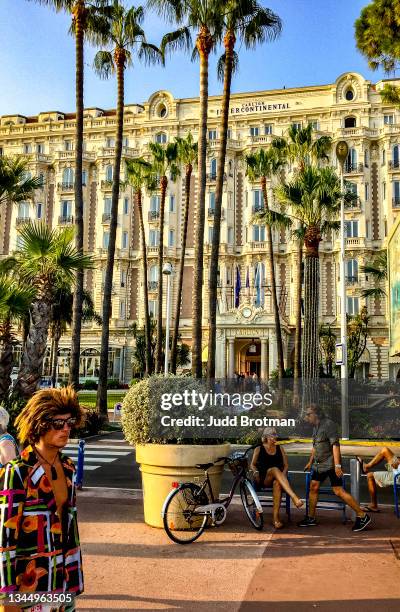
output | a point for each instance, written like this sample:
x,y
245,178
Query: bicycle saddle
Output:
x,y
203,466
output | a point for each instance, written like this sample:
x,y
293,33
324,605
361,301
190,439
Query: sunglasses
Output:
x,y
59,424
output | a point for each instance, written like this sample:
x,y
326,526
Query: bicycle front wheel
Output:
x,y
251,505
181,522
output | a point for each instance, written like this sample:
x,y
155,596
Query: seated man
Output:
x,y
385,478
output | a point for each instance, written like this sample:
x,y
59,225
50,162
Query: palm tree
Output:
x,y
377,34
16,185
262,165
47,260
187,154
378,269
314,196
164,161
140,175
89,17
15,300
205,18
252,24
123,37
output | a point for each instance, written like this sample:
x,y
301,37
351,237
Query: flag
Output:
x,y
257,285
247,279
237,287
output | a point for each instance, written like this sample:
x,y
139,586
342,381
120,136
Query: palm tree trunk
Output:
x,y
297,333
175,335
79,14
54,363
204,46
147,331
50,365
310,360
229,42
105,332
164,183
31,367
6,359
274,296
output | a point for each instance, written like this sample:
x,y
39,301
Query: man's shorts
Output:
x,y
331,474
386,479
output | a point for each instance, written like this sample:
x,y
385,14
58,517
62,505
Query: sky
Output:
x,y
37,57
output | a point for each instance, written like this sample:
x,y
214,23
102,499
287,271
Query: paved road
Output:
x,y
110,463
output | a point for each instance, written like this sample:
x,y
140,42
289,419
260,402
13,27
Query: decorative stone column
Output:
x,y
264,359
220,365
231,368
273,354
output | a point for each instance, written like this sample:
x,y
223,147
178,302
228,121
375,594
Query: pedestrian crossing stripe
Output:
x,y
100,447
102,453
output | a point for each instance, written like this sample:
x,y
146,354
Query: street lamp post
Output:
x,y
167,270
342,151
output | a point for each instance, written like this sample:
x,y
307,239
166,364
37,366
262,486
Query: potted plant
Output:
x,y
167,454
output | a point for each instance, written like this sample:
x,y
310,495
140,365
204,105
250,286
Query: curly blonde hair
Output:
x,y
34,420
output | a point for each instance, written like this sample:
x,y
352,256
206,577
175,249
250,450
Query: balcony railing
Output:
x,y
106,184
212,176
352,280
152,285
396,202
258,209
66,186
106,218
65,220
394,164
354,168
22,220
154,215
211,213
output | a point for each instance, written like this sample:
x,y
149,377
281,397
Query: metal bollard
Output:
x,y
79,469
355,473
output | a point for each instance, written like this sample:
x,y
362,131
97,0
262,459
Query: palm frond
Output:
x,y
104,64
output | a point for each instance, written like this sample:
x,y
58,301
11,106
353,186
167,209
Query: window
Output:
x,y
366,190
210,234
351,161
153,308
171,238
296,126
352,271
350,122
315,125
41,178
229,133
123,278
258,233
40,147
352,188
122,310
66,208
110,142
396,156
396,194
268,129
367,229
106,240
154,238
353,306
39,210
258,200
68,145
171,203
153,276
366,158
84,178
109,173
384,191
212,134
107,206
213,168
383,157
211,200
349,95
388,119
125,141
19,242
161,138
23,210
124,242
27,149
254,131
126,206
155,203
351,229
68,177
230,235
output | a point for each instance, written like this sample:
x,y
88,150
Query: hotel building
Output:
x,y
350,109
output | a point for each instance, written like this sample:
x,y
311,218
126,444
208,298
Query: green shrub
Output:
x,y
13,405
113,383
90,385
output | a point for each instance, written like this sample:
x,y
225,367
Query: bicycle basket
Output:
x,y
237,463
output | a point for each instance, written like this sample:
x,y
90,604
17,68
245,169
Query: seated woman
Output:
x,y
381,478
270,466
8,446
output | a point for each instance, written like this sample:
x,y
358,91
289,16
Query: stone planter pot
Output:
x,y
163,464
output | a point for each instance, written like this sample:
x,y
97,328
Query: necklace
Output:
x,y
52,468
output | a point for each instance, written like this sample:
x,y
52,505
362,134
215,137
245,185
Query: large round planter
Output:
x,y
163,464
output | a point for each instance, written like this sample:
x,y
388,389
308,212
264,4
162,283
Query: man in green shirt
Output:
x,y
325,462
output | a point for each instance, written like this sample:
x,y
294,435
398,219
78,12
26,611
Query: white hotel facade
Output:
x,y
349,109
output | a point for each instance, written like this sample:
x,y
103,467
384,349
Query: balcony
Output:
x,y
354,168
106,218
359,131
258,246
153,215
66,186
396,202
65,220
22,221
394,164
258,209
107,185
211,213
211,177
355,242
152,285
352,280
231,144
126,152
88,156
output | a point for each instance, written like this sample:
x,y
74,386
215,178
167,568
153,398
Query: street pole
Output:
x,y
342,151
167,270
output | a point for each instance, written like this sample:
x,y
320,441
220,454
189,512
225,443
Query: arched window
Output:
x,y
396,156
352,271
213,168
109,173
23,210
68,176
350,122
351,161
161,138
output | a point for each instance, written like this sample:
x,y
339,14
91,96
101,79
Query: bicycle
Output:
x,y
188,508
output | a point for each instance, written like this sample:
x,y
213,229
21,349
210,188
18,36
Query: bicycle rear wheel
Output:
x,y
181,522
251,505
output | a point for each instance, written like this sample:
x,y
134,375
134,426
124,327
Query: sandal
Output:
x,y
367,508
277,524
361,462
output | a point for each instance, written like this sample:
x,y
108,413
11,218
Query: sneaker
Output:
x,y
361,523
307,521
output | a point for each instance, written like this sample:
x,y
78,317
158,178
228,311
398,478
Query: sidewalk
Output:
x,y
234,568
